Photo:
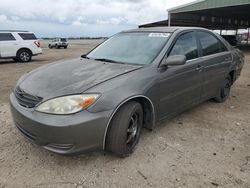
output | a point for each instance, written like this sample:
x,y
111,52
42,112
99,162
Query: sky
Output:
x,y
81,18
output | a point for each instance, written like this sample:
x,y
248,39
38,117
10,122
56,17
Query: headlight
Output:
x,y
68,104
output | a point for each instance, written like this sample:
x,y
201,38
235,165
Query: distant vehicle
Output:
x,y
244,38
58,43
134,79
19,45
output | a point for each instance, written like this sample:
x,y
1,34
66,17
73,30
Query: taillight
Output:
x,y
37,43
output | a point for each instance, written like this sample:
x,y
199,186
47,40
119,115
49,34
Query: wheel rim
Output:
x,y
24,56
133,130
226,89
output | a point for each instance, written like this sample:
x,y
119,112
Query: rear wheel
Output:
x,y
125,129
224,92
50,46
24,55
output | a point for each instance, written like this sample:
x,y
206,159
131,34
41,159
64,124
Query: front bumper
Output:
x,y
63,134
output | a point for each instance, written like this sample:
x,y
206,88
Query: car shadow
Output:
x,y
7,61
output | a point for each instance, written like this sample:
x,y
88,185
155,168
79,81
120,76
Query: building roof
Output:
x,y
208,4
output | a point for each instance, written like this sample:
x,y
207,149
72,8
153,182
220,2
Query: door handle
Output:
x,y
198,68
228,59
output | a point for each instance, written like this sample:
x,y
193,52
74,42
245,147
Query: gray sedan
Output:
x,y
131,81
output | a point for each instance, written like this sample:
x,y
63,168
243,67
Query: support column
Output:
x,y
248,35
169,19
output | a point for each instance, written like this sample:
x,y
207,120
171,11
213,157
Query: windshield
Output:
x,y
131,48
63,39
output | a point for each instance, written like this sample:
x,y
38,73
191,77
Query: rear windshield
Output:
x,y
63,40
6,37
27,36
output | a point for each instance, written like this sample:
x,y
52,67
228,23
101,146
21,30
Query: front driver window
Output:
x,y
186,45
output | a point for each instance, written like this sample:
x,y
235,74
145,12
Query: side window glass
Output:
x,y
6,37
185,45
27,36
223,47
210,44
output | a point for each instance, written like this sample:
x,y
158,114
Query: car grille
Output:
x,y
25,99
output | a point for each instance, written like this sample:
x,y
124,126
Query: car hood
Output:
x,y
71,77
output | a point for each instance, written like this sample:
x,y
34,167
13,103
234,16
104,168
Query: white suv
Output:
x,y
58,43
19,45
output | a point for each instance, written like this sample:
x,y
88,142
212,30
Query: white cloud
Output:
x,y
110,21
79,22
3,18
103,13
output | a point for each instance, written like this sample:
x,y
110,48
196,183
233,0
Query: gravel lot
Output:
x,y
208,146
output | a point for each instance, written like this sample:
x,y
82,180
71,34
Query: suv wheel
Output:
x,y
24,55
50,46
224,92
125,129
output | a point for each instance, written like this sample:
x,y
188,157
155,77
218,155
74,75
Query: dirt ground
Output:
x,y
208,146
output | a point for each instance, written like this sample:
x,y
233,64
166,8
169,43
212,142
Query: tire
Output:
x,y
224,92
125,129
56,46
65,47
24,56
50,46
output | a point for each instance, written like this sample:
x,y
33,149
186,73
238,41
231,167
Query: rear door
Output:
x,y
216,62
8,45
179,87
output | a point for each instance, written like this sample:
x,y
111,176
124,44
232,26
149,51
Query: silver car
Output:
x,y
131,81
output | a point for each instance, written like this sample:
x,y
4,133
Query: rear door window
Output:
x,y
27,36
210,44
186,45
6,37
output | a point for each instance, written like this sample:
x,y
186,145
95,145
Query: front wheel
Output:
x,y
224,91
125,129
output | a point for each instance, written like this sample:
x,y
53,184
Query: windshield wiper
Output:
x,y
108,60
84,56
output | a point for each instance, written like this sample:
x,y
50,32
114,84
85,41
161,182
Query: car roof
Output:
x,y
14,31
163,29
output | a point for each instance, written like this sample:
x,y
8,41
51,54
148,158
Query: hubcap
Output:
x,y
133,129
24,56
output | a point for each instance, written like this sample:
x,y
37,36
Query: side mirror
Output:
x,y
174,60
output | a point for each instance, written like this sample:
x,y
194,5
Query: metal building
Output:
x,y
211,14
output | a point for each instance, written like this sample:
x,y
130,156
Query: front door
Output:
x,y
179,87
